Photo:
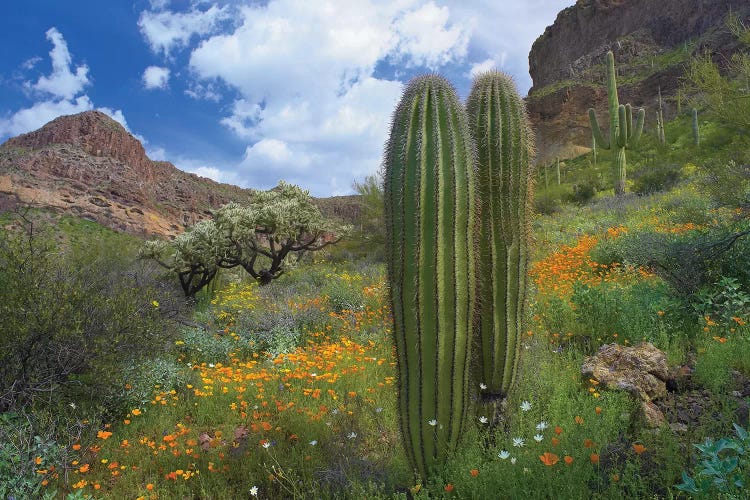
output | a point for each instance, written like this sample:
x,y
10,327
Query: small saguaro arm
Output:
x,y
622,133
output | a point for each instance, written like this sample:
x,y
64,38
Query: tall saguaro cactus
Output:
x,y
429,198
500,127
622,134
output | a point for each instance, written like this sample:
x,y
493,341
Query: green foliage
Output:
x,y
371,230
696,128
430,221
660,178
19,448
505,150
622,133
723,301
723,468
69,320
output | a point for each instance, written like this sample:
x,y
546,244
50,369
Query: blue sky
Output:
x,y
253,91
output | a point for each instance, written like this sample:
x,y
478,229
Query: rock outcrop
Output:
x,y
641,371
652,42
88,165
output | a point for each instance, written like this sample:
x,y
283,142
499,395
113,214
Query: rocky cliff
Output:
x,y
88,165
652,41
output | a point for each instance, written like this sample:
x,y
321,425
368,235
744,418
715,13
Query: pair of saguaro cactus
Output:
x,y
456,206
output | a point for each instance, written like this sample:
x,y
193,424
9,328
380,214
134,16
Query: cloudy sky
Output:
x,y
253,91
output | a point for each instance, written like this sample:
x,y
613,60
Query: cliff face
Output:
x,y
652,42
88,165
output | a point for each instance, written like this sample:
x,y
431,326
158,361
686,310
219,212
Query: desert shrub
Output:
x,y
722,302
723,468
656,179
201,346
583,192
69,321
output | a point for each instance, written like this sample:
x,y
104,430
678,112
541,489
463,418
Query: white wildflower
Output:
x,y
518,442
525,406
503,454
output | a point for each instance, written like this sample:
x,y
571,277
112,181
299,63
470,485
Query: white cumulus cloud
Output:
x,y
59,93
166,30
64,81
310,102
155,77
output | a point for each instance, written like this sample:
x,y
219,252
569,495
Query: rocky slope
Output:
x,y
88,165
652,41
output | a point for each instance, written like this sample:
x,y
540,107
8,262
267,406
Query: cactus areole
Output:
x,y
505,149
429,200
622,133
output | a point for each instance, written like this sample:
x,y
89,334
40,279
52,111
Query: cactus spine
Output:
x,y
499,125
429,198
622,134
696,129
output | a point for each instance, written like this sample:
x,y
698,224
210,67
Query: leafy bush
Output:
x,y
657,179
723,468
68,321
22,454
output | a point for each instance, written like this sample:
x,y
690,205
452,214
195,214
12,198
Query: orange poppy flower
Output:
x,y
549,459
588,443
579,420
594,458
558,430
474,472
639,448
598,410
568,460
448,487
555,441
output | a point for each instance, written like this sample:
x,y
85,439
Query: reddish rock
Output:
x,y
566,67
88,164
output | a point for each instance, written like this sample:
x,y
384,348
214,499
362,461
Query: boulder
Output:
x,y
641,370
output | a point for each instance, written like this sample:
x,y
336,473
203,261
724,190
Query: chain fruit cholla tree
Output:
x,y
258,237
430,229
192,255
505,150
622,133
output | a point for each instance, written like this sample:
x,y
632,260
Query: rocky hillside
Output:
x,y
88,165
652,41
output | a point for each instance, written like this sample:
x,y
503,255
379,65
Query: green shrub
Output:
x,y
723,468
70,320
19,448
656,179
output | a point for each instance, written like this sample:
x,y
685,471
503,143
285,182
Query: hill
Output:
x,y
89,166
652,42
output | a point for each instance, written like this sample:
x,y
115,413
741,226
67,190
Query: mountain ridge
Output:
x,y
90,166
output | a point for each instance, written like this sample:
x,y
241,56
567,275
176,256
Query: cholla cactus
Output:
x,y
193,255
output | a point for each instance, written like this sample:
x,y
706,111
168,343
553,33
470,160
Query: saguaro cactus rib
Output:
x,y
498,122
428,198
